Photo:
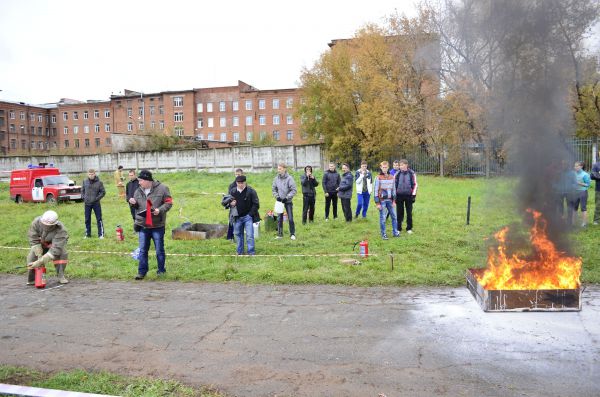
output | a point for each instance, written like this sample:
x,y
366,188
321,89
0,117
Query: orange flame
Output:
x,y
546,268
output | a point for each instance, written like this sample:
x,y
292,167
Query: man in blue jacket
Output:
x,y
581,192
364,188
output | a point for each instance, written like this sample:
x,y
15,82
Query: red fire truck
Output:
x,y
38,183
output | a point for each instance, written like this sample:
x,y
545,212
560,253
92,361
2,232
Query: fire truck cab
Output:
x,y
38,183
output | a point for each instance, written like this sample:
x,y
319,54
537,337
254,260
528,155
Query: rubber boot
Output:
x,y
60,271
31,277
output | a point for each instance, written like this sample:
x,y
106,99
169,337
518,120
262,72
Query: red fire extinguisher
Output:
x,y
363,248
40,277
120,235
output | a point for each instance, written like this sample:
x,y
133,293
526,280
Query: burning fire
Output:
x,y
545,268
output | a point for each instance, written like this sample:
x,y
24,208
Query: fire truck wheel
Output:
x,y
50,199
18,199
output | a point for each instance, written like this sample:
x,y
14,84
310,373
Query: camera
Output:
x,y
226,201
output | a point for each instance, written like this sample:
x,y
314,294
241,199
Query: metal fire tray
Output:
x,y
541,300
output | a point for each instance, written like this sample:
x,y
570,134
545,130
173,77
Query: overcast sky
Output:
x,y
90,49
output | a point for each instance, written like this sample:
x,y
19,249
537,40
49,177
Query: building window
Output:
x,y
200,136
179,130
23,144
248,105
97,128
275,135
178,101
263,135
22,128
222,106
66,130
290,135
129,127
31,117
262,119
53,119
236,136
13,143
97,140
151,110
161,124
96,114
22,115
200,122
76,129
40,133
289,119
107,141
65,116
76,143
152,124
248,120
211,122
86,114
106,127
32,130
200,107
11,115
235,121
32,145
275,119
75,116
141,125
40,145
161,109
129,112
222,122
235,105
275,103
141,111
289,103
178,116
261,104
209,107
47,131
223,136
12,129
106,113
211,137
86,129
66,143
86,142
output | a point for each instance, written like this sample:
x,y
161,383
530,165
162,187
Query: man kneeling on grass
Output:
x,y
247,205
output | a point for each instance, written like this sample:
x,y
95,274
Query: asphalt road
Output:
x,y
303,340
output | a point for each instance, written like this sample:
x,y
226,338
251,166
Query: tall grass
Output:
x,y
438,253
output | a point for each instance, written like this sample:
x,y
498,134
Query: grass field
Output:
x,y
438,253
100,383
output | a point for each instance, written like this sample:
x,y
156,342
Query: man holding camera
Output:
x,y
152,200
284,190
245,201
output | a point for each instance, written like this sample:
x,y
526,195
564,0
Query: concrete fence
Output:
x,y
250,158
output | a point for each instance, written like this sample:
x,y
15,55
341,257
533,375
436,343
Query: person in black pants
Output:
x,y
406,193
92,191
345,191
130,188
309,183
232,185
330,183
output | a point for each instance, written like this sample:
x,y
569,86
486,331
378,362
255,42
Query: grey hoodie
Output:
x,y
284,187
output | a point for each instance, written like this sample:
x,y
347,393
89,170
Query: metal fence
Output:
x,y
477,159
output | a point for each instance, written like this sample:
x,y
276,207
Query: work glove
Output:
x,y
414,198
284,201
279,199
37,250
42,261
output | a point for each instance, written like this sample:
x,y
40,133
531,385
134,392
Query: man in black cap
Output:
x,y
247,205
152,200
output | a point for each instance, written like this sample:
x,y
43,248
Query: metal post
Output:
x,y
594,151
442,163
469,210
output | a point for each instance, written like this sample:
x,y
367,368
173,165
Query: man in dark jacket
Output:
x,y
247,205
345,191
595,175
331,182
309,183
152,201
406,192
92,192
130,189
232,185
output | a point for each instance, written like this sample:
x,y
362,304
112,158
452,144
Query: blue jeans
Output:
x,y
244,223
387,204
363,203
88,218
145,236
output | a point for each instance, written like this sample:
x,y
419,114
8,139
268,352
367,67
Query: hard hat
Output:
x,y
49,218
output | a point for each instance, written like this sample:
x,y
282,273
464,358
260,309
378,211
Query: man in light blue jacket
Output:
x,y
581,192
284,190
364,188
